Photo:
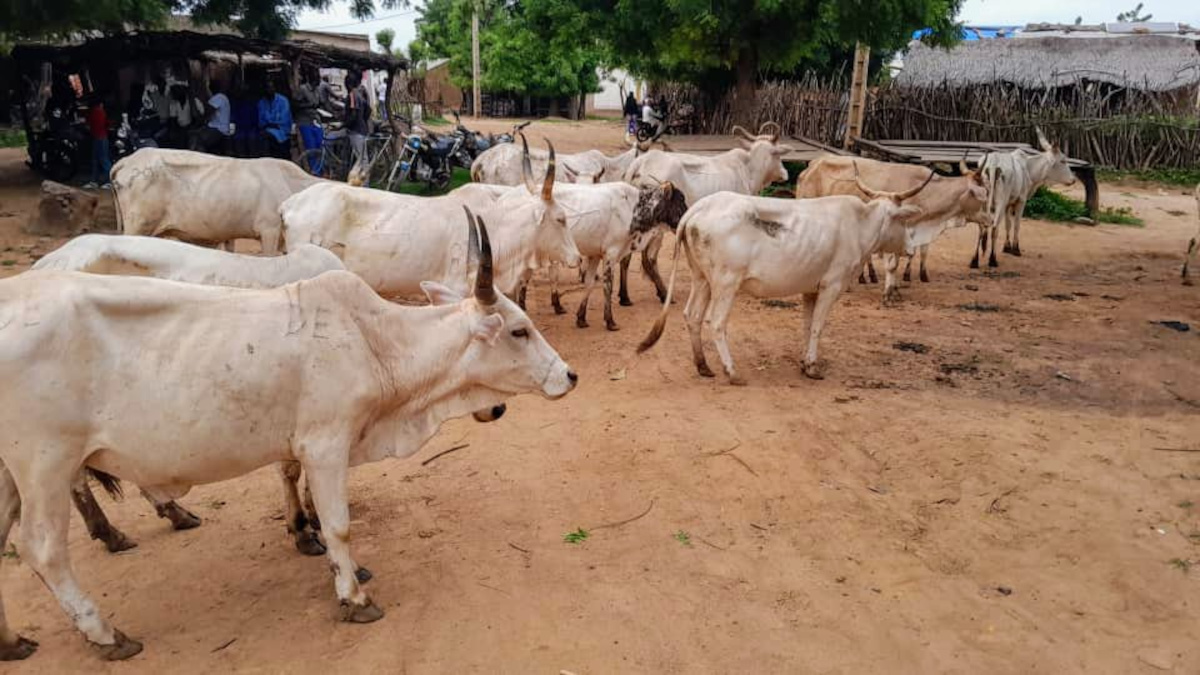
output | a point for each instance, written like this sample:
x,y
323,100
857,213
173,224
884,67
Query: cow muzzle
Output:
x,y
560,381
491,414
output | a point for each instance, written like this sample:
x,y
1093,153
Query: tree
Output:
x,y
386,37
719,43
1134,15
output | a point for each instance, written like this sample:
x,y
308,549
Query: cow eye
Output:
x,y
520,333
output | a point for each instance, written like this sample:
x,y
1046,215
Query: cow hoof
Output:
x,y
182,519
862,279
924,278
993,263
1187,281
625,302
117,542
612,325
368,613
23,649
309,544
737,380
559,309
704,370
907,277
975,263
363,575
581,322
813,371
121,648
1016,250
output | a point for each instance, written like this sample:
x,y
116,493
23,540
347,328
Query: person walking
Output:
x,y
631,112
275,122
97,122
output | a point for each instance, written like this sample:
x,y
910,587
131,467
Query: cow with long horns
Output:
x,y
323,372
395,242
745,170
775,248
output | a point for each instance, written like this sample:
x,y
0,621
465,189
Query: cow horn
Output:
x,y
962,164
743,133
485,292
472,243
909,194
548,183
526,168
1042,139
767,125
873,194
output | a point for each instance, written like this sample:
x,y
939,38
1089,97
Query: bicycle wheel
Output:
x,y
314,161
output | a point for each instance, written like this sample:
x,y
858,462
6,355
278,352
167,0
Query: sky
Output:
x,y
981,12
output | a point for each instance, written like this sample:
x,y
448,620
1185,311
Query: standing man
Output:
x,y
97,121
358,114
275,121
631,113
327,98
307,100
215,136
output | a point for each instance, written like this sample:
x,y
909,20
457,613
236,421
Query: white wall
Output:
x,y
608,99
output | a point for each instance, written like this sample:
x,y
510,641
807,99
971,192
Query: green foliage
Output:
x,y
12,138
459,178
1049,205
1134,15
683,538
577,537
1181,177
532,47
386,37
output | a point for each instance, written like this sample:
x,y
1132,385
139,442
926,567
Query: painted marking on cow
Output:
x,y
320,326
769,227
296,320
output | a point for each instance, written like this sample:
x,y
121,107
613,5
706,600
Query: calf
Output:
x,y
775,248
324,372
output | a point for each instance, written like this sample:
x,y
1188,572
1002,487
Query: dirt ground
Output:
x,y
1016,499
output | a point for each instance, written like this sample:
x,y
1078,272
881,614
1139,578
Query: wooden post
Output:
x,y
476,98
858,94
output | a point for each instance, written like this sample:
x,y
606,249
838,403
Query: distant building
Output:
x,y
441,94
610,100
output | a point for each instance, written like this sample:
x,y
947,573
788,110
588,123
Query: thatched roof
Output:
x,y
1147,62
167,45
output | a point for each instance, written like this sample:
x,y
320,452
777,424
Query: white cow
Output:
x,y
944,201
774,248
395,242
1193,244
178,261
501,165
173,385
746,170
204,199
1012,178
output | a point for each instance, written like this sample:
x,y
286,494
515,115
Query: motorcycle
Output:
x,y
55,152
426,158
648,131
126,140
476,143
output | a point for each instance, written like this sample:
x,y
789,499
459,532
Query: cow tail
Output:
x,y
110,483
659,325
116,190
475,173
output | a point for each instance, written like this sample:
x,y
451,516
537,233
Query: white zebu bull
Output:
x,y
172,385
745,170
501,165
202,198
178,261
1012,178
774,248
943,201
395,242
1193,244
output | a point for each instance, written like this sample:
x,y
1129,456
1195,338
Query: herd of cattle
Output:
x,y
296,359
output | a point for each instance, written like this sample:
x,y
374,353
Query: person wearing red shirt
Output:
x,y
97,122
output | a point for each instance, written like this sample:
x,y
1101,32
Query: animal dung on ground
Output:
x,y
950,368
914,347
979,307
780,304
1174,325
1061,297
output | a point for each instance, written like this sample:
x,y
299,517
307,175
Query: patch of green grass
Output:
x,y
683,538
11,552
577,537
1049,205
1183,177
435,121
1182,565
459,178
1186,504
603,118
8,263
12,138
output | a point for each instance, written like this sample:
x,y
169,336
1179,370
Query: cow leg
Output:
x,y
891,294
583,270
581,313
45,516
824,303
328,481
992,262
624,293
1016,214
697,307
1193,244
271,240
908,269
718,321
871,271
555,298
924,254
980,246
181,518
13,647
609,322
650,264
298,524
93,517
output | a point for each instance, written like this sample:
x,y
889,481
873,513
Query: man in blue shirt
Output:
x,y
275,121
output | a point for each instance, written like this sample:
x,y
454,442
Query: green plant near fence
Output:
x,y
12,138
1049,205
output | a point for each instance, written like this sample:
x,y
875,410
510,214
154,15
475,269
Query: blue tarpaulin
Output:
x,y
970,33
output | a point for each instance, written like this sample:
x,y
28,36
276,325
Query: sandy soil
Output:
x,y
1002,503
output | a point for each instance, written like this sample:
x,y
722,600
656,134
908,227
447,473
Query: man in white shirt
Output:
x,y
214,137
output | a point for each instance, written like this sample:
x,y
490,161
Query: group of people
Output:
x,y
648,112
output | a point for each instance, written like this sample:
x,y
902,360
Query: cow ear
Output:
x,y
488,328
439,294
908,213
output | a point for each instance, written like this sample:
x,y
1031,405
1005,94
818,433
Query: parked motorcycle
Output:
x,y
476,143
55,151
126,139
426,158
